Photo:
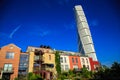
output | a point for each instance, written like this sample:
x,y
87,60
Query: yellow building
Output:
x,y
42,61
49,60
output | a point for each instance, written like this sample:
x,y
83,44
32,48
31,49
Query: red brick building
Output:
x,y
9,61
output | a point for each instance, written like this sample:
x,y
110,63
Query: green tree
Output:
x,y
57,62
85,73
106,73
32,76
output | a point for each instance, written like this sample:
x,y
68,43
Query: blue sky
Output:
x,y
52,22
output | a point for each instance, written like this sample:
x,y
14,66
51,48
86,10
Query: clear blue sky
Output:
x,y
52,22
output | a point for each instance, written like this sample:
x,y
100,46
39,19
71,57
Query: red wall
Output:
x,y
71,63
92,63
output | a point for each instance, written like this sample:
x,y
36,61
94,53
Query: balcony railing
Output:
x,y
38,60
38,52
48,67
8,70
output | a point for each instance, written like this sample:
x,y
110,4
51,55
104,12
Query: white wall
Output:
x,y
65,62
86,62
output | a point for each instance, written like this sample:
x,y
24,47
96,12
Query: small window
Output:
x,y
75,67
49,57
76,60
62,67
72,60
65,59
87,61
66,67
88,67
61,59
83,61
7,67
9,55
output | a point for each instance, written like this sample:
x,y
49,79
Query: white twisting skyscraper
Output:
x,y
85,42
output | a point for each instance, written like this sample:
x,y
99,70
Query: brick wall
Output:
x,y
14,61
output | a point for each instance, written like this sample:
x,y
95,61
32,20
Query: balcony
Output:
x,y
8,70
38,52
38,59
47,67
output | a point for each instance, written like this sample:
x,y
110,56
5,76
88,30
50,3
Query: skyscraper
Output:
x,y
85,42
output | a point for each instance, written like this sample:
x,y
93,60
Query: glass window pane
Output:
x,y
65,59
9,55
76,60
72,60
61,59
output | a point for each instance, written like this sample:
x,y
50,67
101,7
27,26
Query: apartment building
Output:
x,y
94,64
65,64
42,61
85,62
9,61
72,60
23,65
75,62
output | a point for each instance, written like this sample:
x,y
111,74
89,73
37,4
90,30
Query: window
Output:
x,y
66,67
9,55
87,61
65,59
61,59
83,61
36,57
84,66
24,58
62,67
49,57
88,67
7,67
72,60
76,60
75,67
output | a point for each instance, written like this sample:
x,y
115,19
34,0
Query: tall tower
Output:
x,y
85,42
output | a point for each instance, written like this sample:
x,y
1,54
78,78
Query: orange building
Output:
x,y
75,62
9,61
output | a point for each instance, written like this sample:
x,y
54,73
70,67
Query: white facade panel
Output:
x,y
84,32
89,48
86,40
82,18
78,7
85,62
65,64
80,13
82,25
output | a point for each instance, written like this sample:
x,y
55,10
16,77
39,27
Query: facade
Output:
x,y
65,64
14,63
94,64
85,62
85,43
23,65
9,61
75,62
42,61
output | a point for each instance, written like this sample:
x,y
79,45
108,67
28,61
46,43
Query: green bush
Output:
x,y
32,76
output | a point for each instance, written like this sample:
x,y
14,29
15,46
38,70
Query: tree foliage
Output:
x,y
57,62
32,76
112,73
